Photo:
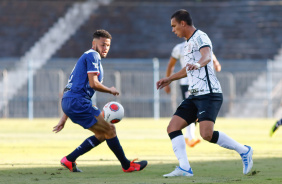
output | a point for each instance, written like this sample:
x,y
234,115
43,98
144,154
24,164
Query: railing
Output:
x,y
242,90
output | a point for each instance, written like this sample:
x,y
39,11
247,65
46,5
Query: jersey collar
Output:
x,y
192,34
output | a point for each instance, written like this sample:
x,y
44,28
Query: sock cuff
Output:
x,y
215,136
111,139
175,134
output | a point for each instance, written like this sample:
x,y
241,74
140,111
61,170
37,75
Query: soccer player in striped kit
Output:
x,y
178,54
204,101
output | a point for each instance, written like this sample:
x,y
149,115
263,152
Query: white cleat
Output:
x,y
179,172
247,160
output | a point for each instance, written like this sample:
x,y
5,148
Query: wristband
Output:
x,y
198,65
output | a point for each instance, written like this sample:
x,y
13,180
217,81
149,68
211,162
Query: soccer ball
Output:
x,y
113,112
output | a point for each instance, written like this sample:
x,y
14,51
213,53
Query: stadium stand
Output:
x,y
24,22
239,29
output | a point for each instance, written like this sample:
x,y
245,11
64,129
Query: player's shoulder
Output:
x,y
200,33
92,54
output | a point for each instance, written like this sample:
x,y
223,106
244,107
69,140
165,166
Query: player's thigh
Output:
x,y
208,106
80,111
187,111
103,127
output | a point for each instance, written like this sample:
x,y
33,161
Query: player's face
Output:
x,y
177,28
102,46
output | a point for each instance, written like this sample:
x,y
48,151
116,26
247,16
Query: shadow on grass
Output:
x,y
264,171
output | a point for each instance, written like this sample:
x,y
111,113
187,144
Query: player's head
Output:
x,y
179,21
101,42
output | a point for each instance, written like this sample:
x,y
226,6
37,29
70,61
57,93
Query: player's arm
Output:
x,y
98,86
167,80
204,60
216,63
61,124
169,71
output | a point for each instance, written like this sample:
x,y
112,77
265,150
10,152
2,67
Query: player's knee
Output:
x,y
170,128
206,135
100,137
111,132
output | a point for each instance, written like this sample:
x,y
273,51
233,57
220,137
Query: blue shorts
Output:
x,y
202,107
80,111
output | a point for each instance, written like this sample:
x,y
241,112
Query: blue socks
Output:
x,y
92,142
86,146
115,146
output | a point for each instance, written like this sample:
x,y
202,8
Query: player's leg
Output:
x,y
174,128
112,140
190,137
85,118
207,119
275,127
189,132
223,140
87,145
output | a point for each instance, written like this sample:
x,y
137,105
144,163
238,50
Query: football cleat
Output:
x,y
275,127
247,160
179,172
273,130
192,143
136,166
69,165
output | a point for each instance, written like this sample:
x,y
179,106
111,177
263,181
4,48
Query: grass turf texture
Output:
x,y
30,153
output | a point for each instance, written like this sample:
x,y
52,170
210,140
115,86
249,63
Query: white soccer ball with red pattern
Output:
x,y
113,112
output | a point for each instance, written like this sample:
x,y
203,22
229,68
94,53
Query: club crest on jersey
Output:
x,y
189,47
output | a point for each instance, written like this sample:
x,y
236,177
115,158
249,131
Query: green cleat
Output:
x,y
275,127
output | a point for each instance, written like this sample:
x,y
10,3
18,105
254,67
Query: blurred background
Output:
x,y
41,40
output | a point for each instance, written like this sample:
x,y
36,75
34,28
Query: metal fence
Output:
x,y
244,91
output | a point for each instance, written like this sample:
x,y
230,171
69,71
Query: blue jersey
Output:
x,y
78,83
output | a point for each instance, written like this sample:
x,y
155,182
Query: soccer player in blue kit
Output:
x,y
85,79
205,99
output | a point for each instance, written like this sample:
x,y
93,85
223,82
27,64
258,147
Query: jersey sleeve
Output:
x,y
176,51
203,41
93,60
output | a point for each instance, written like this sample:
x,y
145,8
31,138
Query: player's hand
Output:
x,y
167,89
191,67
163,82
114,91
59,126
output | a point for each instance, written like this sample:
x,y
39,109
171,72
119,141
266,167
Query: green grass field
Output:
x,y
30,153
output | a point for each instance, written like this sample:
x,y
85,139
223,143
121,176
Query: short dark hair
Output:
x,y
102,33
183,15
